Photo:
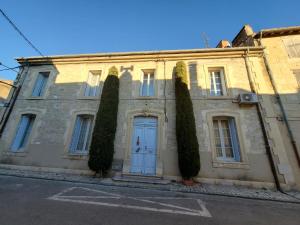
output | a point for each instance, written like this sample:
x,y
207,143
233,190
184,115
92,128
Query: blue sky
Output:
x,y
84,26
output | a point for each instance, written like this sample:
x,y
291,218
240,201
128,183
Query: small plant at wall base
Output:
x,y
187,143
102,145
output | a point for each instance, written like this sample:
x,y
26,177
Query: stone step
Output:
x,y
141,179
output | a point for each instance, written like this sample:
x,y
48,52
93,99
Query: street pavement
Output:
x,y
26,201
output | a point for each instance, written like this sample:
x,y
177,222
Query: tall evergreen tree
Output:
x,y
102,145
187,143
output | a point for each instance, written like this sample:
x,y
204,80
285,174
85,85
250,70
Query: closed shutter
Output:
x,y
23,132
234,139
40,84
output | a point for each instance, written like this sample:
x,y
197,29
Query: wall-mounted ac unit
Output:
x,y
248,98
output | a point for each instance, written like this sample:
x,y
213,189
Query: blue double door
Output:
x,y
144,146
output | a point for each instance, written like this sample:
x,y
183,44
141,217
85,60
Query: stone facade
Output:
x,y
56,110
282,58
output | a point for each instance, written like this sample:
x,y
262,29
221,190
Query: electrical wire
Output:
x,y
9,68
19,31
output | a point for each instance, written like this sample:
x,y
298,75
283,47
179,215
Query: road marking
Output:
x,y
169,208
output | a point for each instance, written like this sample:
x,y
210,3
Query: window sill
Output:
x,y
232,165
35,98
76,156
16,154
89,98
147,97
220,98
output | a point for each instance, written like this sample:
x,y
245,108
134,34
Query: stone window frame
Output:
x,y
130,115
102,78
14,127
243,163
155,84
34,72
69,134
225,76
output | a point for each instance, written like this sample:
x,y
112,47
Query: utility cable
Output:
x,y
19,31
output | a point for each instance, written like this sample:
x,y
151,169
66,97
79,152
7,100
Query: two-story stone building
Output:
x,y
50,125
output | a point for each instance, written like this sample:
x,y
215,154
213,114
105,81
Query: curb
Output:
x,y
158,188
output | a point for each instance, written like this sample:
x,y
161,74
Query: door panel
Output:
x,y
137,150
143,152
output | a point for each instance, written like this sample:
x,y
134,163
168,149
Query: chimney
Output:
x,y
224,44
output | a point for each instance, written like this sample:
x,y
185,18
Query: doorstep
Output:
x,y
140,179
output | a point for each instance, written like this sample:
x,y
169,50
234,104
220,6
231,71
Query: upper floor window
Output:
x,y
147,87
23,132
297,75
226,139
292,45
92,85
81,134
40,84
217,83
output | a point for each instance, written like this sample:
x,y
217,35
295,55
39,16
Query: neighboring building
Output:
x,y
50,125
282,58
5,90
5,87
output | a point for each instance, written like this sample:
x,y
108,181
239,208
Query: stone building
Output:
x,y
240,141
282,59
5,90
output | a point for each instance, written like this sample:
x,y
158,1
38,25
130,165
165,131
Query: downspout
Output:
x,y
277,95
263,126
12,102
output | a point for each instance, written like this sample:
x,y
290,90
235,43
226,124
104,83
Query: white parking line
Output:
x,y
169,208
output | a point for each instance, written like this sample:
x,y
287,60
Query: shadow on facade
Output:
x,y
50,138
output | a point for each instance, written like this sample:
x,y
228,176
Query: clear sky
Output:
x,y
89,26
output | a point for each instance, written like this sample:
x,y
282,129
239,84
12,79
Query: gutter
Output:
x,y
137,55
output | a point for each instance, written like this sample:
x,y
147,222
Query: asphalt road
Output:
x,y
25,201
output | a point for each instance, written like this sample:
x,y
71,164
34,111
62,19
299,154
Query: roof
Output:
x,y
281,31
143,55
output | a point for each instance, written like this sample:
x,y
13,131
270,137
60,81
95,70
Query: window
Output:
x,y
40,84
23,132
92,85
297,75
292,45
226,139
217,84
147,87
81,134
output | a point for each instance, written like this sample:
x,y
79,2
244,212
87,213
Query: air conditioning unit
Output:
x,y
248,98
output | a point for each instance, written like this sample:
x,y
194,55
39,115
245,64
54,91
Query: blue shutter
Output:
x,y
40,85
235,141
76,133
23,132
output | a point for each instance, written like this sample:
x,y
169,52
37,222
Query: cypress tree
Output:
x,y
187,143
102,145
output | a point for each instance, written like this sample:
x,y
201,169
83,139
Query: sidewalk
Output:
x,y
223,190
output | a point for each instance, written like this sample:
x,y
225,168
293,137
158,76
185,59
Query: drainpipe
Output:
x,y
12,102
263,126
281,106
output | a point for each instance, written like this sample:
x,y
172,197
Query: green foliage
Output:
x,y
187,143
102,145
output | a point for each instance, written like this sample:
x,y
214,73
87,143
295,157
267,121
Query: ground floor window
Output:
x,y
226,139
81,134
23,132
